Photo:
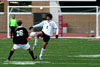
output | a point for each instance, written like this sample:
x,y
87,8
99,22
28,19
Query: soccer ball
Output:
x,y
41,8
32,34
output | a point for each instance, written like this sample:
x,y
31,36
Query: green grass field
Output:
x,y
59,53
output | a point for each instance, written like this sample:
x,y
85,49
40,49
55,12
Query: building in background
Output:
x,y
28,19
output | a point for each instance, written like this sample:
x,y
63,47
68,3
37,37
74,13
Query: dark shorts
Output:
x,y
46,38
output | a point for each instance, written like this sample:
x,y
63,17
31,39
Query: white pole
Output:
x,y
97,23
53,6
77,13
8,23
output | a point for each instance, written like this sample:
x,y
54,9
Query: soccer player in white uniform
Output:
x,y
20,40
48,28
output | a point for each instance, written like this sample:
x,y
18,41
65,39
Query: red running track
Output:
x,y
64,35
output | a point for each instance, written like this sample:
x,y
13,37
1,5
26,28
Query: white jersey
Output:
x,y
48,27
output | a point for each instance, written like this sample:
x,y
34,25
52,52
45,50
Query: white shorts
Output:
x,y
23,46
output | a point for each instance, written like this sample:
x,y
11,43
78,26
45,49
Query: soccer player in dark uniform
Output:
x,y
20,40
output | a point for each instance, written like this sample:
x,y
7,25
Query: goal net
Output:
x,y
73,21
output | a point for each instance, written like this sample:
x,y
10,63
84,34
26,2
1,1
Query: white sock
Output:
x,y
42,51
36,40
35,44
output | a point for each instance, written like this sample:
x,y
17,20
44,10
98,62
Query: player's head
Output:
x,y
13,16
49,16
19,22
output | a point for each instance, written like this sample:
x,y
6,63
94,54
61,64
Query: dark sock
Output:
x,y
11,53
31,53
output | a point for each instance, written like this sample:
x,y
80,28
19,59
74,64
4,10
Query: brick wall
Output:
x,y
27,19
80,23
3,24
76,23
3,18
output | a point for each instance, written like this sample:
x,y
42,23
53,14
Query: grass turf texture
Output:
x,y
59,53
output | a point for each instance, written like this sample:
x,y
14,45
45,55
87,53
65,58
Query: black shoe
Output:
x,y
35,58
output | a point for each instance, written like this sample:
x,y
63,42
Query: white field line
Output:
x,y
67,56
58,55
46,62
90,56
78,63
27,62
53,59
74,55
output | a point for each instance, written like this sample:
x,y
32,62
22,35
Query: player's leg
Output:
x,y
46,40
11,32
13,29
27,47
11,53
32,54
42,50
36,39
15,47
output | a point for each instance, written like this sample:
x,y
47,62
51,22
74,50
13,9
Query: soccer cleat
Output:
x,y
41,57
34,58
7,61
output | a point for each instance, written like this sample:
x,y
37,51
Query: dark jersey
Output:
x,y
20,36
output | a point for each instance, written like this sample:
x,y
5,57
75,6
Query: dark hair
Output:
x,y
19,22
49,15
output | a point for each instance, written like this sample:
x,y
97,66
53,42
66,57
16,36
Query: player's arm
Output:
x,y
37,25
56,27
